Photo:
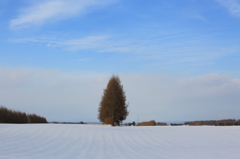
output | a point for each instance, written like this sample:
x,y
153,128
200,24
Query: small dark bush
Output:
x,y
130,124
133,123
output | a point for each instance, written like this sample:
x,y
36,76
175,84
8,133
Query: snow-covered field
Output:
x,y
105,142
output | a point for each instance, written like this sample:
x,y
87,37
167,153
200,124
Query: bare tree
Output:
x,y
113,108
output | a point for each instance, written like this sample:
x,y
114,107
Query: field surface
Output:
x,y
105,142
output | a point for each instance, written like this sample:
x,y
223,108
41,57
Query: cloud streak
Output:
x,y
233,6
167,50
45,11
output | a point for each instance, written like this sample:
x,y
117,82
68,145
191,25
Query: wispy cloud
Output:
x,y
233,6
169,51
98,43
42,12
85,43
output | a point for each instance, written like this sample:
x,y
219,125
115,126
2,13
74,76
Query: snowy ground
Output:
x,y
105,142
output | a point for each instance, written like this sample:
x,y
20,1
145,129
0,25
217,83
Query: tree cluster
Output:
x,y
225,122
12,116
147,123
33,118
113,108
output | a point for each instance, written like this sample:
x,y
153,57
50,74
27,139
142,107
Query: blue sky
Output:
x,y
58,43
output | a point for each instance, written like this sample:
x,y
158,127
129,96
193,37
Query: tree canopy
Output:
x,y
113,107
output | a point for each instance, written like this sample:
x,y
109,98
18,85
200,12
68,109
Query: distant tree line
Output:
x,y
148,123
55,122
12,116
225,122
176,124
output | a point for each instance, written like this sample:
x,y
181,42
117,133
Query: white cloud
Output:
x,y
211,96
42,12
13,78
76,96
233,6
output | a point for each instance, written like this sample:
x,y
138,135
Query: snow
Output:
x,y
106,142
